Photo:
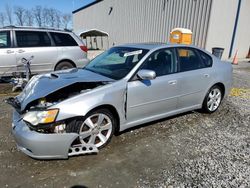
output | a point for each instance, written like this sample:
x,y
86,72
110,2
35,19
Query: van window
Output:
x,y
62,39
32,39
5,39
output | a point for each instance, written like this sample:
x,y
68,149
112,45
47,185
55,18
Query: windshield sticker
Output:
x,y
133,53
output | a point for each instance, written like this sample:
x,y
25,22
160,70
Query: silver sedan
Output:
x,y
77,111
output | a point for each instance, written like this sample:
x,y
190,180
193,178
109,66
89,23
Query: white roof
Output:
x,y
183,30
94,31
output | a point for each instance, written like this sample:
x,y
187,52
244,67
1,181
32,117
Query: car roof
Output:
x,y
154,45
148,46
29,28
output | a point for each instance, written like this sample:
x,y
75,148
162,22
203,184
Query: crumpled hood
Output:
x,y
42,85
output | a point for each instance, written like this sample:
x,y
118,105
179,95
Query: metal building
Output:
x,y
214,23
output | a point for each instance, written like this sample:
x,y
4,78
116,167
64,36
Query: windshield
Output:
x,y
116,62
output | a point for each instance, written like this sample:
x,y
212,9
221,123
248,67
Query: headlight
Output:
x,y
41,117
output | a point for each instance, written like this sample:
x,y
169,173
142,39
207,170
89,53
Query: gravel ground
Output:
x,y
218,153
188,150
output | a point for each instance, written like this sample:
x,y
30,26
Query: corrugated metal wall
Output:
x,y
146,20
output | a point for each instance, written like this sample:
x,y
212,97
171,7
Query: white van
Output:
x,y
52,49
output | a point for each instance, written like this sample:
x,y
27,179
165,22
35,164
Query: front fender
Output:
x,y
112,94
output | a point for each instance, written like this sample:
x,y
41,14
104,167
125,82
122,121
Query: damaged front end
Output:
x,y
35,127
46,145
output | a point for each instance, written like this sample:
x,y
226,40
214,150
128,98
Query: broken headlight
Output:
x,y
41,117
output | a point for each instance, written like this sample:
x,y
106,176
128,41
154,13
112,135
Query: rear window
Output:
x,y
62,39
5,39
32,39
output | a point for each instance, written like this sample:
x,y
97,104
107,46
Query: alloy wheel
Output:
x,y
214,99
96,129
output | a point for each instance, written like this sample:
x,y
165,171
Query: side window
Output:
x,y
192,59
5,39
32,39
62,39
207,60
161,61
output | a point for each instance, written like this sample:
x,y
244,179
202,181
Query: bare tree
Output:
x,y
29,19
51,17
66,18
58,19
39,16
2,19
8,10
37,11
20,13
45,15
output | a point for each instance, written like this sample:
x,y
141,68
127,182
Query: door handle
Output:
x,y
21,51
206,75
172,82
9,52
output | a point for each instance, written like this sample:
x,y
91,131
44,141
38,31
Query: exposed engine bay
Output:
x,y
52,99
62,94
55,97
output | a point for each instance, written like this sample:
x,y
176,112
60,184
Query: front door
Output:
x,y
150,99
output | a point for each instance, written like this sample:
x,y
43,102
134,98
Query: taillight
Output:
x,y
84,48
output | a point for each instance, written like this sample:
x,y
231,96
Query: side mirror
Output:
x,y
145,74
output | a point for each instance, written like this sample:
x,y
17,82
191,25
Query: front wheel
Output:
x,y
212,100
96,128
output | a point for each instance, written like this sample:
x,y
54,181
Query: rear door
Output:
x,y
68,48
7,54
195,76
147,99
39,45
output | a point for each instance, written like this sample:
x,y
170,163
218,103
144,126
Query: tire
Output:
x,y
212,100
92,131
64,65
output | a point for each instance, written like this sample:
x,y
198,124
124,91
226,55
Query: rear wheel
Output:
x,y
96,128
64,65
213,99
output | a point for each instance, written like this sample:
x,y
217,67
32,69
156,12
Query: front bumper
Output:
x,y
45,146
